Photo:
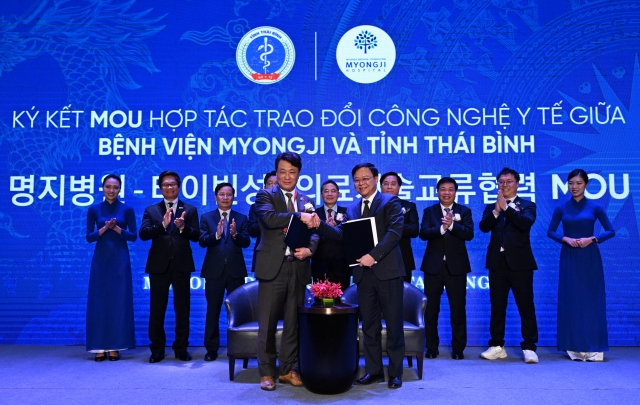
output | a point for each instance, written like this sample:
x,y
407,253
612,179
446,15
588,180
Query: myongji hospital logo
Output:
x,y
366,54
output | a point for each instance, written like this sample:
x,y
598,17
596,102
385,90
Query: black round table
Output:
x,y
328,347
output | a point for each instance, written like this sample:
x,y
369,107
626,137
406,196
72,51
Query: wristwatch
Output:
x,y
594,240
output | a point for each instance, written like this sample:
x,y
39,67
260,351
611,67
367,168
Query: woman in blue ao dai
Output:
x,y
111,224
582,312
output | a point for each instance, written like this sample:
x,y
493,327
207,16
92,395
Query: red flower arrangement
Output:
x,y
326,289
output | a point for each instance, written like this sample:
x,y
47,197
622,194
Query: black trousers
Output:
x,y
158,300
384,297
214,292
456,286
521,284
344,282
278,297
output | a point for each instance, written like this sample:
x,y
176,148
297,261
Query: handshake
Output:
x,y
312,221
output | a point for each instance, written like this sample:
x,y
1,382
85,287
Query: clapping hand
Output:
x,y
501,202
232,228
179,222
220,229
447,220
331,221
167,218
111,224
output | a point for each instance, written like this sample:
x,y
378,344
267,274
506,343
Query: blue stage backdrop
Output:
x,y
216,89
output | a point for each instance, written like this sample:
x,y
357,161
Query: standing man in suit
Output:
x,y
330,259
224,232
270,180
380,276
511,264
283,273
446,227
390,183
170,224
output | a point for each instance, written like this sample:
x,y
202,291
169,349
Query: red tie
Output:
x,y
330,211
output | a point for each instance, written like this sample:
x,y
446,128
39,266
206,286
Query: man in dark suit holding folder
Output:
x,y
379,275
283,273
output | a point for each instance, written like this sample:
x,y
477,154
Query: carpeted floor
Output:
x,y
68,375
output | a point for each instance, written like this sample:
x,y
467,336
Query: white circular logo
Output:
x,y
265,55
366,54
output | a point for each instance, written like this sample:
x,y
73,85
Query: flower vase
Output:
x,y
328,302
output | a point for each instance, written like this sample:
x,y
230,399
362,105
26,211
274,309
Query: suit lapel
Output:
x,y
321,213
301,200
279,202
375,204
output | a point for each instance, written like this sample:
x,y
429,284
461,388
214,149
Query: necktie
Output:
x,y
224,224
365,211
173,216
290,202
330,211
503,217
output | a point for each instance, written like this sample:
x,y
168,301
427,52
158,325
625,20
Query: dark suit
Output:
x,y
410,231
254,232
380,287
282,283
450,273
223,267
170,262
330,260
511,269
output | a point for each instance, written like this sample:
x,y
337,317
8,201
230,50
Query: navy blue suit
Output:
x,y
170,263
450,273
410,231
254,232
511,269
330,260
380,287
223,267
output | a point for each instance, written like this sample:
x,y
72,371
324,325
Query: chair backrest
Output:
x,y
242,304
414,302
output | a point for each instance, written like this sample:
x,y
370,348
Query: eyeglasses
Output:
x,y
506,182
388,184
270,184
169,185
329,191
221,195
362,180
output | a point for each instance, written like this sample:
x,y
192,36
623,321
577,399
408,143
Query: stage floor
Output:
x,y
68,375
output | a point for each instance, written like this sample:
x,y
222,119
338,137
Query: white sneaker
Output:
x,y
594,356
530,357
494,352
577,356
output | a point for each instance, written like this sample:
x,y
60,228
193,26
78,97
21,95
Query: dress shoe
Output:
x,y
101,358
114,357
594,356
267,383
457,355
494,352
183,355
530,357
210,356
156,357
370,379
430,354
395,382
291,378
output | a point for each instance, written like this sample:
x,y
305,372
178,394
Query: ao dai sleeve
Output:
x,y
93,234
552,231
609,232
131,233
